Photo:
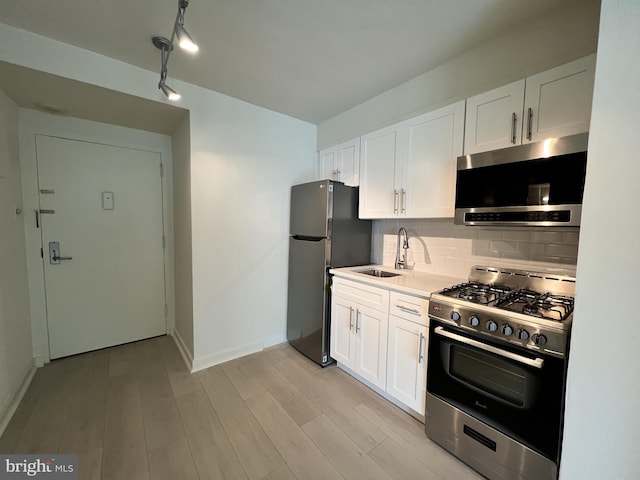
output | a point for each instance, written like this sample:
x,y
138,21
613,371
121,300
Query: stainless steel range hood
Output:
x,y
537,184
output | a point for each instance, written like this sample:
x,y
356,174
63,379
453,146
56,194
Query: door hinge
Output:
x,y
161,170
164,241
166,310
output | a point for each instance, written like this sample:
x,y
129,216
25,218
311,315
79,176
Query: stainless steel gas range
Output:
x,y
498,349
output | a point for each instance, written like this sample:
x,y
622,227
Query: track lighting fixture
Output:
x,y
185,41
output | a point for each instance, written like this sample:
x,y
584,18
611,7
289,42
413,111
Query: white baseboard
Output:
x,y
183,349
207,361
6,413
272,340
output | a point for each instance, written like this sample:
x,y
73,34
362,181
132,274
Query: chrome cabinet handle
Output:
x,y
415,311
338,174
395,202
536,362
529,123
357,321
420,349
350,318
514,120
404,201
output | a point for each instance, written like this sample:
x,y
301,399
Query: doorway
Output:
x,y
101,224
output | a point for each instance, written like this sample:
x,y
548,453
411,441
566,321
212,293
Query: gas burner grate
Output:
x,y
541,305
475,292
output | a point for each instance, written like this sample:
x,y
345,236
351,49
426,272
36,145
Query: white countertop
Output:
x,y
408,281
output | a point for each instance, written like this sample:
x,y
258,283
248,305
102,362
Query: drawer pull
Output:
x,y
415,311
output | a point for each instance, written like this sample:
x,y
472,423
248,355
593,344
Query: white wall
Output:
x,y
182,235
566,33
243,160
602,426
16,359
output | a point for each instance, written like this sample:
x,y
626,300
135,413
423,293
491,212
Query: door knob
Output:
x,y
54,254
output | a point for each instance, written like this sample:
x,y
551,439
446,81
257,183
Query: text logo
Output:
x,y
50,467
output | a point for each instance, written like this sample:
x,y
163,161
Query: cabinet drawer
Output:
x,y
409,307
367,295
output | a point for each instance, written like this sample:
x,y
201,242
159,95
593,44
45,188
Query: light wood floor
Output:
x,y
135,412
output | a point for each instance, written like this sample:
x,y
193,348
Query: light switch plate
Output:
x,y
107,201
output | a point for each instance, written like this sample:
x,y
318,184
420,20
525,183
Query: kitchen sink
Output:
x,y
379,273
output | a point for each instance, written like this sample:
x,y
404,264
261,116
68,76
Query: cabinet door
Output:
x,y
432,144
371,345
407,369
348,164
379,184
558,101
494,119
343,318
327,161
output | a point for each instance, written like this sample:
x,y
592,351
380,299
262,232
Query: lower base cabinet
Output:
x,y
359,339
407,362
381,336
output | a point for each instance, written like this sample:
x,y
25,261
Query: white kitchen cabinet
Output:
x,y
494,119
407,350
558,102
407,362
380,172
408,169
553,103
341,162
431,145
359,327
371,329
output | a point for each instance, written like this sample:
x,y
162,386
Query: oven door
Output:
x,y
513,390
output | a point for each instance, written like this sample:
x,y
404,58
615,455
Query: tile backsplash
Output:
x,y
438,246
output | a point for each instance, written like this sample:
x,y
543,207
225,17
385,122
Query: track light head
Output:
x,y
165,47
169,92
184,39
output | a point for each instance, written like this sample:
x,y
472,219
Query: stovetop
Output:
x,y
528,302
529,309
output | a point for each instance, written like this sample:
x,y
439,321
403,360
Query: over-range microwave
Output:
x,y
537,184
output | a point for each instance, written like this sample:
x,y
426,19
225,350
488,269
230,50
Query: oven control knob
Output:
x,y
507,330
492,326
455,316
539,339
473,321
523,334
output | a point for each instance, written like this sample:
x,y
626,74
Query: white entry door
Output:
x,y
102,237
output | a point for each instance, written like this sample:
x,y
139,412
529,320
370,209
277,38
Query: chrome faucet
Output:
x,y
401,262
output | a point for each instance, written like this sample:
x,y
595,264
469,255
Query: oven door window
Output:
x,y
501,379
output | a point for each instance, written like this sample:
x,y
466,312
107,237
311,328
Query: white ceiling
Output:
x,y
310,59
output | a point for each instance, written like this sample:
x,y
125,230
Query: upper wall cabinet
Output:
x,y
553,103
494,119
408,169
341,162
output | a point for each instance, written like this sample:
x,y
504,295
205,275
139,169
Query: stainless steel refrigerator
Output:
x,y
325,233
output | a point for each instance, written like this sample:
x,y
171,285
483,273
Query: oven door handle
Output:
x,y
536,362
